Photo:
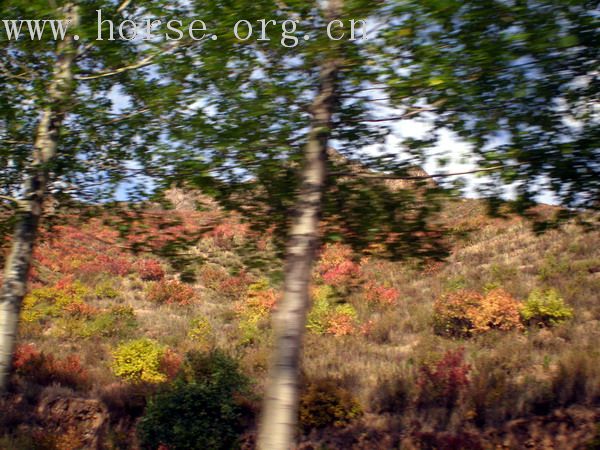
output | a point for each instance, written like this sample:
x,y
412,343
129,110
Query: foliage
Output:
x,y
171,292
200,410
150,269
329,316
463,313
453,312
139,361
255,310
335,267
442,382
201,331
45,302
376,293
498,311
325,403
45,369
116,321
342,320
545,308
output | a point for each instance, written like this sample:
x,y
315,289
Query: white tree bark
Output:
x,y
280,409
18,262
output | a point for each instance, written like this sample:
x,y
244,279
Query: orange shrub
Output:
x,y
341,324
378,294
499,311
171,363
171,292
82,310
453,313
464,313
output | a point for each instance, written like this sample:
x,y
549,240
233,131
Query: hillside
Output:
x,y
494,346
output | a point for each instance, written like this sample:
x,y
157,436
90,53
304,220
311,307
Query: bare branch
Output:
x,y
419,177
404,116
127,116
16,201
123,5
138,65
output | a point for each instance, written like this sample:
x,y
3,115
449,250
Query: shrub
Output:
x,y
463,313
201,331
116,321
105,289
545,308
170,364
200,410
139,361
335,267
453,312
255,310
342,320
45,369
382,295
441,383
326,316
320,310
52,301
171,292
325,403
498,311
150,269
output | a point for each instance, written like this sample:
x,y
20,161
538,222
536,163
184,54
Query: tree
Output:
x,y
265,114
61,129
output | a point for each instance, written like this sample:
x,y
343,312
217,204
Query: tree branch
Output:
x,y
123,5
15,201
418,177
138,65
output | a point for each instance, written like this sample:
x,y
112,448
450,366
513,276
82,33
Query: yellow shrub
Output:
x,y
139,361
46,302
545,308
201,331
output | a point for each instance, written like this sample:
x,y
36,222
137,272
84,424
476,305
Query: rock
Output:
x,y
78,419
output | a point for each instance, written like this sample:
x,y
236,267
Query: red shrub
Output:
x,y
378,294
150,269
236,286
45,369
81,310
442,382
335,266
171,292
170,364
226,233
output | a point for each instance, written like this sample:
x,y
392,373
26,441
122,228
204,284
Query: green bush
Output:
x,y
117,321
139,361
199,411
545,308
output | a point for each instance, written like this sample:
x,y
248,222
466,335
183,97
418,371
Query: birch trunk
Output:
x,y
29,212
280,409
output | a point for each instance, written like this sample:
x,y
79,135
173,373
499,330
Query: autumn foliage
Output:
x,y
463,313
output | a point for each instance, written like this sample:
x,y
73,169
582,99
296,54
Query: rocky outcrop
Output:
x,y
82,421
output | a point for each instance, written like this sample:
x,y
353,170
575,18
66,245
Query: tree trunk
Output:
x,y
280,408
18,262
